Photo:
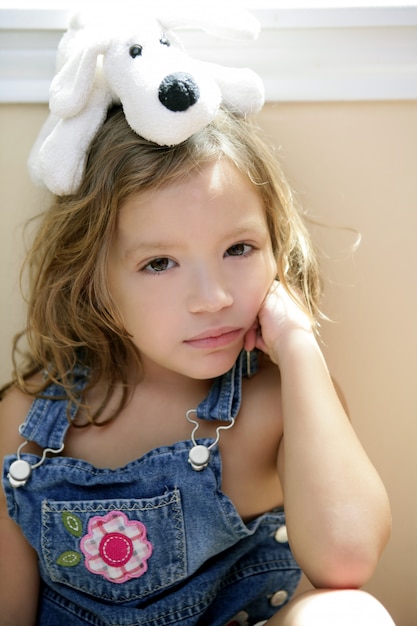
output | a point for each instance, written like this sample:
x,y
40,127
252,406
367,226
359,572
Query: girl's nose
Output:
x,y
209,292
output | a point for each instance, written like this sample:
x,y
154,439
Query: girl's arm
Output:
x,y
18,561
337,509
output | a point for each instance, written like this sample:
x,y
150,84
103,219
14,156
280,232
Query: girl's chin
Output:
x,y
197,365
215,365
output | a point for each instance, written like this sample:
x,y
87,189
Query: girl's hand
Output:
x,y
278,318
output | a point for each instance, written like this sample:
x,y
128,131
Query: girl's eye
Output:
x,y
161,264
239,249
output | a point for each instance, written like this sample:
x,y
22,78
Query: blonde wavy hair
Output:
x,y
72,320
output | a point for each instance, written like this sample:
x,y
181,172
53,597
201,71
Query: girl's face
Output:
x,y
189,268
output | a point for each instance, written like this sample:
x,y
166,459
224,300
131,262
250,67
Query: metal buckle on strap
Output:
x,y
199,455
20,470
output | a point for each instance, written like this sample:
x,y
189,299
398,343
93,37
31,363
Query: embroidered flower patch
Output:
x,y
115,547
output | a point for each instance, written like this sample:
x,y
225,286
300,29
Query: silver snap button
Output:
x,y
199,457
281,534
279,598
19,472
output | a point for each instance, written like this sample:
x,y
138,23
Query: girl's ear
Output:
x,y
74,82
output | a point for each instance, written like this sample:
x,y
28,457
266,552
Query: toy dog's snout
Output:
x,y
178,91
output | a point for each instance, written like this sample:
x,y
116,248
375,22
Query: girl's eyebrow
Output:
x,y
145,247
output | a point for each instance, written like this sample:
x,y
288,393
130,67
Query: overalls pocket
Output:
x,y
117,550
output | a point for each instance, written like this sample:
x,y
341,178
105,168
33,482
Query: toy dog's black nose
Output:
x,y
178,92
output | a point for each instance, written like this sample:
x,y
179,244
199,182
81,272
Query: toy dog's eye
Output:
x,y
135,51
165,42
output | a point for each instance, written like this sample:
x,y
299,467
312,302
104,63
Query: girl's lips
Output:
x,y
215,338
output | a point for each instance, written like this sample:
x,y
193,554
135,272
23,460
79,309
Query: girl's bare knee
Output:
x,y
349,607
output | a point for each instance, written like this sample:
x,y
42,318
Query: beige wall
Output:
x,y
353,165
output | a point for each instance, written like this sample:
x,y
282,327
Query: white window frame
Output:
x,y
304,53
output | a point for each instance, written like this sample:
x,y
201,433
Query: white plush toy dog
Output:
x,y
135,59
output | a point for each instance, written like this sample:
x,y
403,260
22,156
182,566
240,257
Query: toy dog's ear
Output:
x,y
227,22
71,87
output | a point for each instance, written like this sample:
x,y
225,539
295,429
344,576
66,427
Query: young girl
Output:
x,y
174,400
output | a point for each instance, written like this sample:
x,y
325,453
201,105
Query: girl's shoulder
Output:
x,y
14,408
266,384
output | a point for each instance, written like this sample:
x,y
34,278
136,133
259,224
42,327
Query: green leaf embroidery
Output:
x,y
72,523
69,558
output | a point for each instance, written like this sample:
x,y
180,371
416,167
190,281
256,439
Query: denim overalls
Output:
x,y
153,543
